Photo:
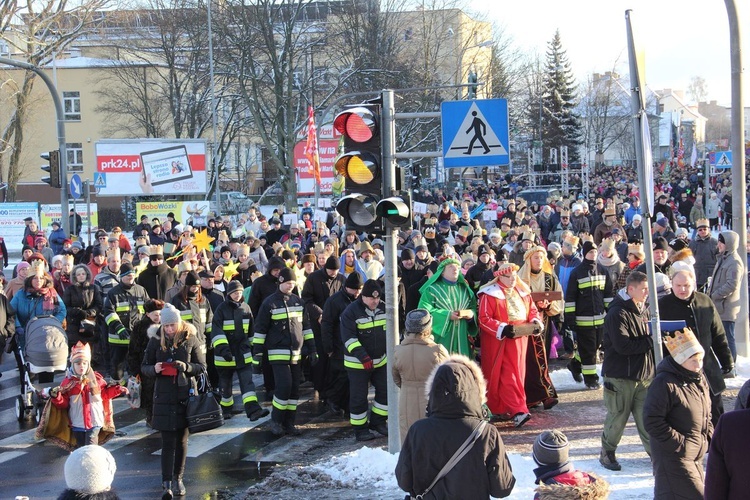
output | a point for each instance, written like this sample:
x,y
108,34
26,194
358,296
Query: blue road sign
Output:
x,y
100,180
475,133
76,187
723,159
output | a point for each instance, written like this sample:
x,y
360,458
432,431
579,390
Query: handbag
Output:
x,y
203,411
457,456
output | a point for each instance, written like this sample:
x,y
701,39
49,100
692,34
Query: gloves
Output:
x,y
508,332
227,356
122,333
181,366
367,363
314,359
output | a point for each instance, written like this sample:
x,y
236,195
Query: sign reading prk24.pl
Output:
x,y
475,133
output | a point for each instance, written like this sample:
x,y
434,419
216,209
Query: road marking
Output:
x,y
10,455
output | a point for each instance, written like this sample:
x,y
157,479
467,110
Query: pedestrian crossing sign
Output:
x,y
723,159
100,180
475,133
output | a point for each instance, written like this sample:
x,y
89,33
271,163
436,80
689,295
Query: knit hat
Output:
x,y
276,263
484,249
77,244
192,279
444,224
682,345
80,351
333,263
550,447
678,244
170,315
372,289
126,269
285,275
90,470
232,287
152,305
98,250
637,217
587,247
354,281
663,222
660,244
407,254
419,321
287,255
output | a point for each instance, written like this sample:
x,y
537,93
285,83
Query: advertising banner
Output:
x,y
12,225
150,167
327,150
186,212
49,213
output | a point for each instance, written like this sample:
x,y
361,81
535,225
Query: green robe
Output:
x,y
440,298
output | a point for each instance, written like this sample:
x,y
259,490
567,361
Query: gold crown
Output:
x,y
243,249
113,253
80,350
682,344
67,259
702,222
184,267
572,241
156,250
38,268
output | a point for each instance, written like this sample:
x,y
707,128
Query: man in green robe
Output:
x,y
450,300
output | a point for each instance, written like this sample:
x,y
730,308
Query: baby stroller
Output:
x,y
45,349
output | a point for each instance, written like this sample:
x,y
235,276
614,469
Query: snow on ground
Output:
x,y
371,469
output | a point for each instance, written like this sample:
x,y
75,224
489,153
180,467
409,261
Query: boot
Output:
x,y
592,382
381,428
609,460
575,369
179,487
364,434
254,411
166,490
289,418
276,428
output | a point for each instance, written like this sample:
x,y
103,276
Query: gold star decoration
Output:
x,y
202,240
230,270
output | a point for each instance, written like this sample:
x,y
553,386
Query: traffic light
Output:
x,y
53,168
396,211
361,165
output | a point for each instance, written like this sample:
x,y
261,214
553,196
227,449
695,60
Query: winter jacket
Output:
x,y
56,239
230,334
634,234
83,301
677,417
454,409
727,279
628,347
712,208
588,293
85,409
330,331
281,328
726,470
562,482
197,314
123,307
27,304
605,231
106,280
413,361
262,288
318,287
7,320
157,280
363,334
564,267
172,391
700,314
705,251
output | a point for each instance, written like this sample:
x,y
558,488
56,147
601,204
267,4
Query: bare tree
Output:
x,y
605,108
698,89
35,31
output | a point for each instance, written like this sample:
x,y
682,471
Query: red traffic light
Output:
x,y
358,124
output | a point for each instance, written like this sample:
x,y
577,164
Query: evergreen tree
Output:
x,y
561,126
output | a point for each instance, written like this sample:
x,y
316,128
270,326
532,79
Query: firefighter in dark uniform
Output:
x,y
123,308
232,349
281,328
363,334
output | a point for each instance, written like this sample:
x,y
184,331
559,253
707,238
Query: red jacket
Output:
x,y
77,398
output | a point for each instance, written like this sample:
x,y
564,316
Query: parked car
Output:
x,y
541,196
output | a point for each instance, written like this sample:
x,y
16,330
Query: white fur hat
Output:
x,y
90,470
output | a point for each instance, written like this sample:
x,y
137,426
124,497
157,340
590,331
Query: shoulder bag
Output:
x,y
203,410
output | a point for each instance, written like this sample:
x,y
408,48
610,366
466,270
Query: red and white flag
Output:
x,y
311,146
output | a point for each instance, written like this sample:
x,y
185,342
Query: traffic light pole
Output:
x,y
388,134
60,136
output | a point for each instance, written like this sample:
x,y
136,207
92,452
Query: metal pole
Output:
x,y
214,122
638,115
739,197
87,188
60,135
391,283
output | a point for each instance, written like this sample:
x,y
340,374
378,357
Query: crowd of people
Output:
x,y
564,280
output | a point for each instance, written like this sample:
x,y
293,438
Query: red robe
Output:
x,y
503,361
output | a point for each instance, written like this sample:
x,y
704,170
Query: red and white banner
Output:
x,y
327,152
146,167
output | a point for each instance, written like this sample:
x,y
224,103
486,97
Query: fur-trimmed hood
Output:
x,y
574,486
456,389
685,255
89,278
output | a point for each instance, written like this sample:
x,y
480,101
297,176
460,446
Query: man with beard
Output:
x,y
474,275
369,265
319,286
123,308
604,230
661,258
700,315
336,390
158,277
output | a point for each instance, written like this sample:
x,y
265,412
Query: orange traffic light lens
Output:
x,y
360,171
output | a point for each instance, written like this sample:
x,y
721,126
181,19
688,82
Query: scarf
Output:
x,y
608,261
48,296
348,269
634,264
88,378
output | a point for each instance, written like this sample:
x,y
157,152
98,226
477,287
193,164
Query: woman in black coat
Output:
x,y
173,357
677,417
454,408
83,301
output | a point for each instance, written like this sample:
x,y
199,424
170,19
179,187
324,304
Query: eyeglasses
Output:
x,y
565,217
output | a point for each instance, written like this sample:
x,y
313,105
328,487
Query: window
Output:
x,y
72,105
74,156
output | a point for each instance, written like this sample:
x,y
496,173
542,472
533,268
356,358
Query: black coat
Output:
x,y
7,320
262,288
318,287
172,392
82,301
454,409
413,295
330,326
701,316
728,463
628,347
677,417
157,280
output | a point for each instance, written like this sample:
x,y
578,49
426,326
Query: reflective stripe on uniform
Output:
x,y
115,339
219,340
186,315
358,418
352,344
259,338
291,405
249,397
228,325
220,362
379,409
307,335
355,363
596,281
596,320
279,404
227,402
369,323
588,369
109,318
279,355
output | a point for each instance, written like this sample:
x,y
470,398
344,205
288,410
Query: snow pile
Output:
x,y
366,467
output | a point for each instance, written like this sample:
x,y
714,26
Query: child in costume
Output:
x,y
86,397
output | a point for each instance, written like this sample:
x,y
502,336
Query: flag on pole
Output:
x,y
311,146
694,155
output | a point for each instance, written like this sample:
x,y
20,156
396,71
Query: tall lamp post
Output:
x,y
214,122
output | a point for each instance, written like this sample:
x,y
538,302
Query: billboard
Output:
x,y
12,225
49,213
328,149
196,211
143,167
